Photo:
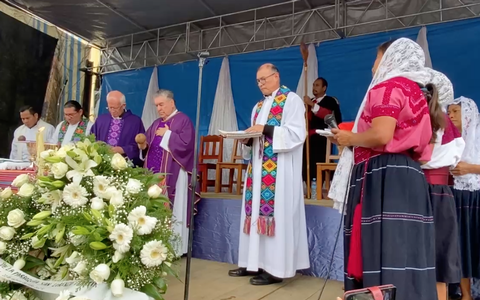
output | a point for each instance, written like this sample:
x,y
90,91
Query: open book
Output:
x,y
239,135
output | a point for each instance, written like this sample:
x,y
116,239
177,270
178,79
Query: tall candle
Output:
x,y
40,148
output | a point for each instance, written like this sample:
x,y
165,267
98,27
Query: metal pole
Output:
x,y
202,57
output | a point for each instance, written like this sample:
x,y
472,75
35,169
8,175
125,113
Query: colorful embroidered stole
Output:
x,y
79,133
266,220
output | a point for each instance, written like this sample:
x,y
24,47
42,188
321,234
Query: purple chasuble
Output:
x,y
181,145
121,134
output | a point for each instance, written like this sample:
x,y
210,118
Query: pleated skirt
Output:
x,y
397,231
468,216
447,246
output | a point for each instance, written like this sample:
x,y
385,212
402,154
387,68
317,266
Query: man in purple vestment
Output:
x,y
170,150
119,127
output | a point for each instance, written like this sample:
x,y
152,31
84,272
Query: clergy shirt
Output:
x,y
19,150
69,133
316,106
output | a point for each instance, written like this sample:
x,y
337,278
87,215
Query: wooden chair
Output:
x,y
231,166
328,166
211,148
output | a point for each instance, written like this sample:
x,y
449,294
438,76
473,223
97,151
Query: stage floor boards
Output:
x,y
210,281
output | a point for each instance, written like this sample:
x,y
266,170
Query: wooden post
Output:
x,y
304,51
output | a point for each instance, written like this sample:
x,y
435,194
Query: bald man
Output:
x,y
119,127
273,237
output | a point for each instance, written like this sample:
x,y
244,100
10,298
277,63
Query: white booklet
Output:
x,y
239,135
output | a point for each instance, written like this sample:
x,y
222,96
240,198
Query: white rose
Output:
x,y
118,162
134,186
80,267
26,190
117,287
117,256
154,191
109,192
97,203
3,247
73,258
6,193
6,233
20,180
65,295
19,264
59,170
100,273
16,218
117,199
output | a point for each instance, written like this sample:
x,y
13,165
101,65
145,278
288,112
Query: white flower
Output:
x,y
43,273
97,203
77,240
118,162
134,186
154,191
117,256
17,295
100,273
6,233
26,190
110,192
81,166
100,186
65,295
3,247
79,298
46,154
73,258
80,267
19,264
6,193
121,236
16,218
59,170
20,180
61,274
117,199
53,198
153,253
140,221
117,287
62,152
75,195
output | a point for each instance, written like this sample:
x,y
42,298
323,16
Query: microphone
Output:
x,y
330,121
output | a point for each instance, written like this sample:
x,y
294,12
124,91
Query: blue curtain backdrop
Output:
x,y
346,64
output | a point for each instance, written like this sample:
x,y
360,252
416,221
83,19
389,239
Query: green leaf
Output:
x,y
32,262
97,237
151,291
98,246
44,230
53,159
27,236
79,230
58,184
111,210
96,214
160,284
42,215
60,260
34,222
60,234
87,217
43,178
39,244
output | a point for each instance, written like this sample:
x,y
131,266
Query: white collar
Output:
x,y
273,94
170,116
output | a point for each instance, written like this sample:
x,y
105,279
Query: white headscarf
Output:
x,y
471,136
444,87
404,58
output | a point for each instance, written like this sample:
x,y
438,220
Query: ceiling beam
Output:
x,y
308,4
121,15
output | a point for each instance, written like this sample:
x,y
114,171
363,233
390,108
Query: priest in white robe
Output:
x,y
74,128
273,237
28,132
169,149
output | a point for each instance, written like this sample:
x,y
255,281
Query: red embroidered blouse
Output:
x,y
402,99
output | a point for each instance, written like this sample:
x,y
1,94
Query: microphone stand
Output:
x,y
202,57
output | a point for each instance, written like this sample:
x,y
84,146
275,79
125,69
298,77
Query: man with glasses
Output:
x,y
75,127
119,127
273,237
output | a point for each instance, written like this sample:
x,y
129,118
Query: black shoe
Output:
x,y
242,272
264,279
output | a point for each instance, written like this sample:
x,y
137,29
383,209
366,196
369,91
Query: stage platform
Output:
x,y
210,281
217,230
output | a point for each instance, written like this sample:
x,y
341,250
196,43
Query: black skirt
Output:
x,y
468,216
447,247
397,231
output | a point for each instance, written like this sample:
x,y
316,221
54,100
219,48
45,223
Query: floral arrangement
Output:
x,y
91,218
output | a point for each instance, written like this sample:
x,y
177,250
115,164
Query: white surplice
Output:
x,y
286,252
180,203
19,150
67,139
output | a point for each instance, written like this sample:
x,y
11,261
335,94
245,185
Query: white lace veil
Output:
x,y
471,136
444,87
404,58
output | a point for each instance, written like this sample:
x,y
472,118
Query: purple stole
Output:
x,y
154,160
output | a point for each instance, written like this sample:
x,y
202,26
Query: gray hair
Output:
x,y
164,93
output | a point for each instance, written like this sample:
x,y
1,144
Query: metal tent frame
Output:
x,y
257,29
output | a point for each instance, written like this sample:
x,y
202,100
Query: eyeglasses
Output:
x,y
264,79
115,108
